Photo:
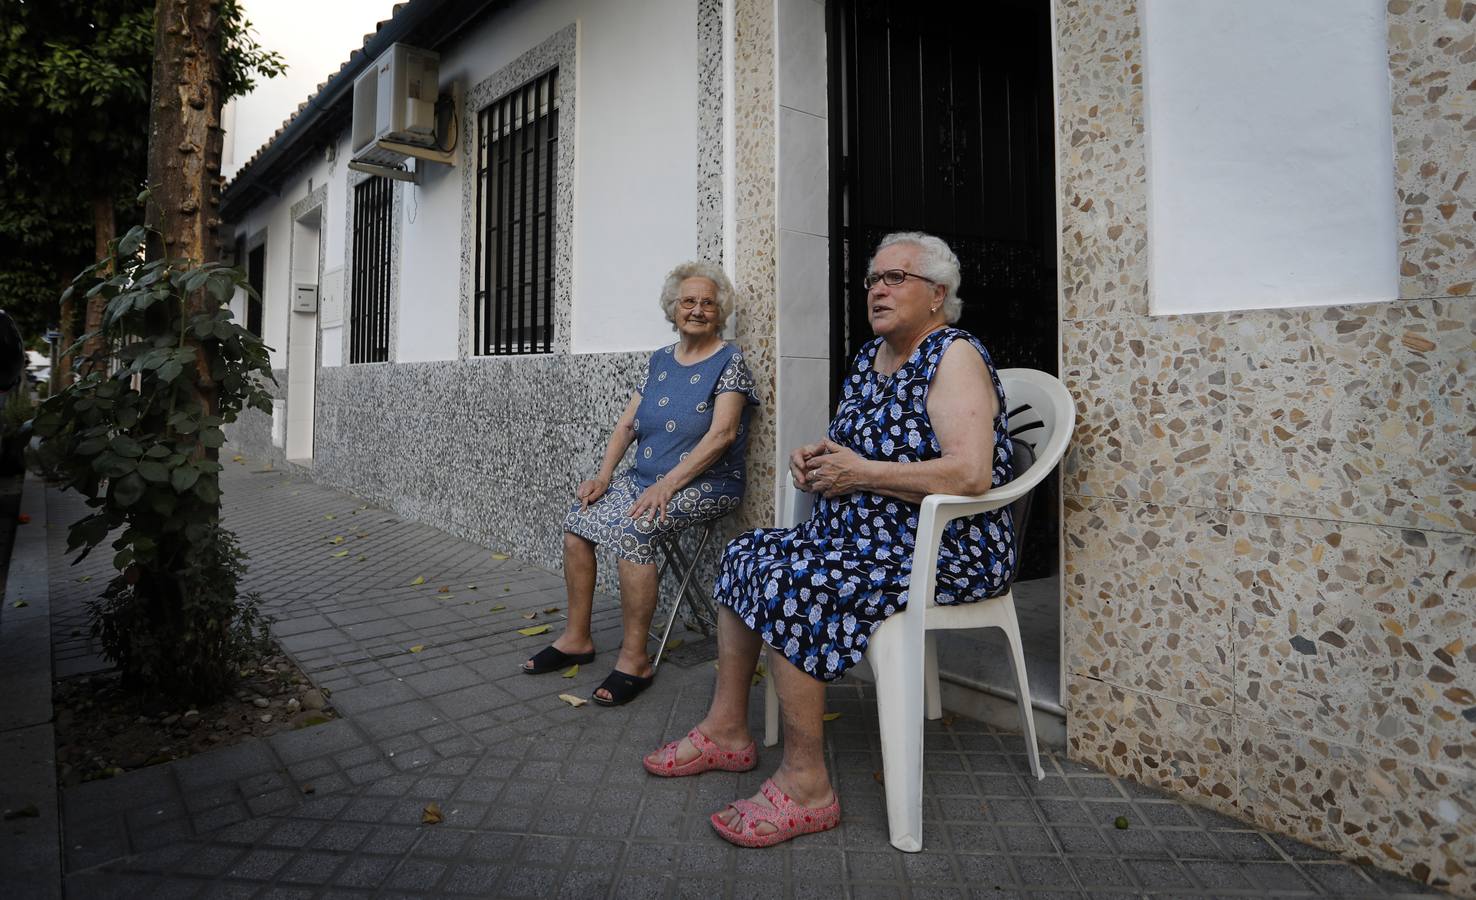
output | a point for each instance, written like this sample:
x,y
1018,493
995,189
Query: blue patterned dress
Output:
x,y
817,591
674,414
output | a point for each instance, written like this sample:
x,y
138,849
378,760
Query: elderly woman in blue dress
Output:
x,y
921,412
689,424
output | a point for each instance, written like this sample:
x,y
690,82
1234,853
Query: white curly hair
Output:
x,y
697,269
937,262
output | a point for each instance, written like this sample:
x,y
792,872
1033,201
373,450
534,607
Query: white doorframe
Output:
x,y
302,337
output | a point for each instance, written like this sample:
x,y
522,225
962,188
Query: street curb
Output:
x,y
30,854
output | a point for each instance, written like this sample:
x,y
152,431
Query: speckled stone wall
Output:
x,y
1269,529
491,448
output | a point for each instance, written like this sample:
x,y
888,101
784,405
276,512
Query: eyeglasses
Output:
x,y
893,277
691,303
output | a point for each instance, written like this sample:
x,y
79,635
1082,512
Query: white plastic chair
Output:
x,y
902,651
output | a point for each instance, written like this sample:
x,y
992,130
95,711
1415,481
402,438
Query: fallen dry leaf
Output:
x,y
431,815
330,517
531,615
831,717
336,539
949,719
361,557
673,644
536,629
19,604
573,670
339,555
878,777
553,609
309,789
572,700
471,587
500,556
417,648
237,458
444,589
419,580
498,608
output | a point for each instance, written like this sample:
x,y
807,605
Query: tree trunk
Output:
x,y
61,373
103,232
185,144
185,138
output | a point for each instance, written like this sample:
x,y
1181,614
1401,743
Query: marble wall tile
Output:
x,y
1177,746
1151,410
753,108
1416,820
755,281
1358,413
710,129
1103,167
1359,634
1432,69
1148,597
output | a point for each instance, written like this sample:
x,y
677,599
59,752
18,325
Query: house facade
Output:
x,y
1264,534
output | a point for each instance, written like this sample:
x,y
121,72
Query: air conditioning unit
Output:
x,y
395,101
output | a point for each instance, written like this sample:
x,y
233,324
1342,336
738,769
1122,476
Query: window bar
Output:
x,y
386,263
356,301
549,207
510,273
477,279
371,260
534,332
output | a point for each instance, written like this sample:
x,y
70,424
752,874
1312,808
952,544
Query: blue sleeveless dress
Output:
x,y
674,414
817,591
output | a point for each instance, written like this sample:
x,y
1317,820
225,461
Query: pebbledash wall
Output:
x,y
491,448
1270,540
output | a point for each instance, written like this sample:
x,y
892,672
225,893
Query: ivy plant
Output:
x,y
137,435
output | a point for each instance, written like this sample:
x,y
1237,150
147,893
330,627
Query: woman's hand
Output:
x,y
836,471
652,501
799,465
591,490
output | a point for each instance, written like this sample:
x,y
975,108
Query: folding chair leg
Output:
x,y
1011,628
689,569
899,707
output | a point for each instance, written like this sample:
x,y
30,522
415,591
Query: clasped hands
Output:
x,y
828,469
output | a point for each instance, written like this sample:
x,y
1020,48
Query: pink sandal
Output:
x,y
710,756
788,818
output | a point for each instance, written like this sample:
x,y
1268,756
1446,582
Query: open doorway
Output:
x,y
949,130
302,337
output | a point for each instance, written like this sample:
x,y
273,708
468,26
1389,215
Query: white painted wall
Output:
x,y
1270,150
635,182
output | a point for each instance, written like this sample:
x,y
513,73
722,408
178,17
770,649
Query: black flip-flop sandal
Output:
x,y
552,659
622,688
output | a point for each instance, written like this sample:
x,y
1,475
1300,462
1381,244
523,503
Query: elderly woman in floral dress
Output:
x,y
922,411
689,422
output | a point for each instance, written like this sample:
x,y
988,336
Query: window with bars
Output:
x,y
517,177
369,301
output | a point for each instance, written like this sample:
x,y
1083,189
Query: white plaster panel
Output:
x,y
804,414
801,37
332,347
804,294
430,265
804,187
1270,149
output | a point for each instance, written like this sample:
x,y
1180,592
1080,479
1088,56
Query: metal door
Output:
x,y
943,124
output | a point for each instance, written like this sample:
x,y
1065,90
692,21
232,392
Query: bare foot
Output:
x,y
569,645
815,799
728,740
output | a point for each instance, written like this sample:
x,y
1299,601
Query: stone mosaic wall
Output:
x,y
491,449
1270,536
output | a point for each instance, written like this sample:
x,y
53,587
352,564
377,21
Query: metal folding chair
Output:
x,y
673,557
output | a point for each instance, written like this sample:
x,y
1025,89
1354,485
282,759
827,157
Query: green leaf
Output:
x,y
206,490
126,446
90,447
212,437
153,471
157,451
183,478
162,502
128,489
170,371
132,240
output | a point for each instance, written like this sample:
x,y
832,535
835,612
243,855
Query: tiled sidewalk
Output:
x,y
544,800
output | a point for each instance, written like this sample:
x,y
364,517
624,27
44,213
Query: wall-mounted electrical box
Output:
x,y
305,298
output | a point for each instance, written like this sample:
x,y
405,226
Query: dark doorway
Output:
x,y
256,277
945,126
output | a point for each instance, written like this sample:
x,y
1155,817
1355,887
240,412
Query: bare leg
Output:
x,y
726,723
803,774
638,586
579,581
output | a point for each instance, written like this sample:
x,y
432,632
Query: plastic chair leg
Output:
x,y
771,704
1011,628
899,706
930,677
